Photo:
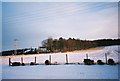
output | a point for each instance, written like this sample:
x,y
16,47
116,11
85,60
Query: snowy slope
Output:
x,y
74,57
63,71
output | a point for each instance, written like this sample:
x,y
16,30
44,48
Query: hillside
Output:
x,y
74,57
70,71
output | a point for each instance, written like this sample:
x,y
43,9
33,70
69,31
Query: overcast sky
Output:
x,y
33,22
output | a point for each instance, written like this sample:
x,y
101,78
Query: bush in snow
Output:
x,y
100,62
16,64
111,62
88,61
47,62
32,63
23,64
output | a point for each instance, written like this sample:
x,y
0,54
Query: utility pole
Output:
x,y
15,46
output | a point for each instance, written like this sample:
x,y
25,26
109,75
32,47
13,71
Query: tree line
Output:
x,y
64,45
71,44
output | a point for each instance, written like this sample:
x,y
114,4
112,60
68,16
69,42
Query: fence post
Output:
x,y
66,59
21,59
86,56
9,61
50,58
35,60
106,57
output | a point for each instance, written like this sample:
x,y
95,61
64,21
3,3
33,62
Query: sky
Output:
x,y
33,22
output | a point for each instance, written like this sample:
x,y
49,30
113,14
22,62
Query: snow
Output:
x,y
72,71
61,72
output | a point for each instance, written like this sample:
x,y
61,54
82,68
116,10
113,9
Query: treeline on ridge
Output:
x,y
72,44
63,45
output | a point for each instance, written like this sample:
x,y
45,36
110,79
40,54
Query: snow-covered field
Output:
x,y
73,71
61,72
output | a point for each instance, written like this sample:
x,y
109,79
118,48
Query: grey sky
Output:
x,y
33,22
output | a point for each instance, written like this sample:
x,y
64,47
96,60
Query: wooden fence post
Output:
x,y
9,61
21,59
35,60
50,58
66,59
86,56
106,57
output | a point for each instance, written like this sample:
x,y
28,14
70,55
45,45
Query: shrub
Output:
x,y
32,63
23,64
100,62
88,61
16,64
111,62
47,62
